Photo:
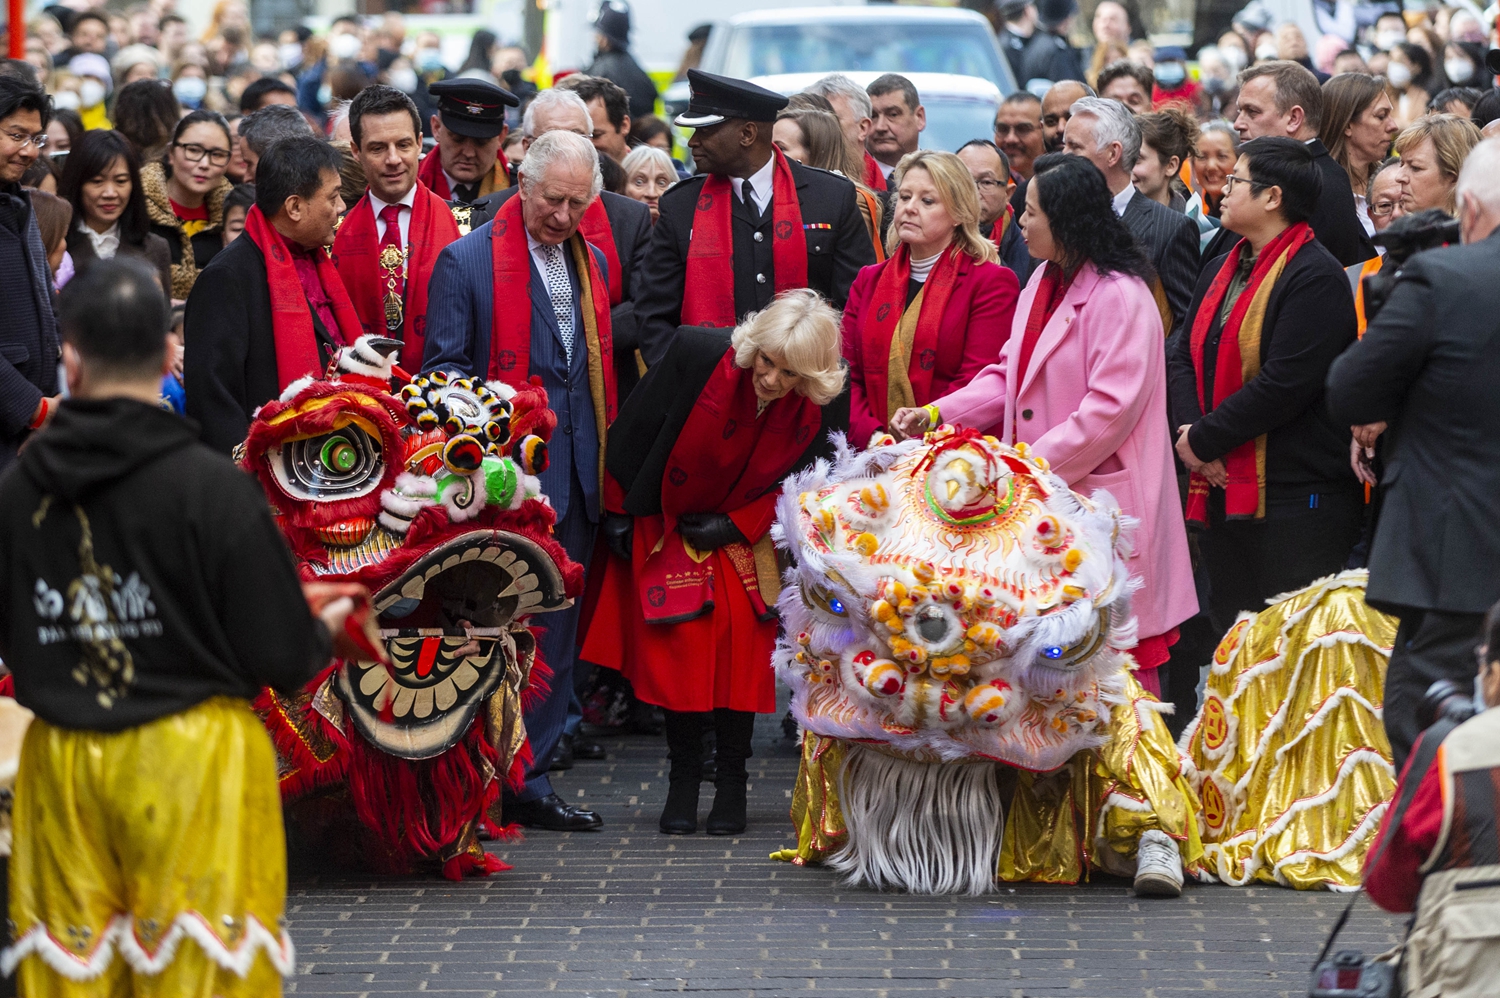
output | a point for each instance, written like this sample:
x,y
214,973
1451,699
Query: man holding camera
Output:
x,y
1428,366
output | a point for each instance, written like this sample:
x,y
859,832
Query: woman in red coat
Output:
x,y
938,310
685,609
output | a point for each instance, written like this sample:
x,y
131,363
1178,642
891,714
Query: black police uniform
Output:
x,y
838,244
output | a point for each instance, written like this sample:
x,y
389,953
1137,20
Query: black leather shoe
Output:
x,y
727,816
585,747
680,815
562,755
554,814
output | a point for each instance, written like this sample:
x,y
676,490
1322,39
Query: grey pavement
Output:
x,y
631,912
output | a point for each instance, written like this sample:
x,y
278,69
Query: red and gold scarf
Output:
x,y
356,252
291,316
708,293
1245,495
597,232
887,359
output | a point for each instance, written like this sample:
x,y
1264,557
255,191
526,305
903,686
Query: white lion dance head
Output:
x,y
951,602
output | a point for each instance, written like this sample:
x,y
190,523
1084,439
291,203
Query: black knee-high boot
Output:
x,y
734,728
685,749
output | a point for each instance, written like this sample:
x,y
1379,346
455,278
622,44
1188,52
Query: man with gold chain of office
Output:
x,y
470,127
389,241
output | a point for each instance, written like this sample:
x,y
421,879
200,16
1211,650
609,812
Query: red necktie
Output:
x,y
392,267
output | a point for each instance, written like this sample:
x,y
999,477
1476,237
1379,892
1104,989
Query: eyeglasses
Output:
x,y
1022,130
1380,209
194,153
1231,180
23,140
987,184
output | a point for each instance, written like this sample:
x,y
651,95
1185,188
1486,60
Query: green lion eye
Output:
x,y
339,455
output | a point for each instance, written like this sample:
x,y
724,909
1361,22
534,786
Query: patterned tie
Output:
x,y
392,268
560,290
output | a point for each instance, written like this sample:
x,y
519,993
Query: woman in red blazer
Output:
x,y
937,310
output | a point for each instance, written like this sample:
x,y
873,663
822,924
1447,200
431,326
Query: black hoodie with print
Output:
x,y
141,573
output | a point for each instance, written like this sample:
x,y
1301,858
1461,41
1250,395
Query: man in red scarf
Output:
x,y
747,226
1271,483
269,310
391,238
470,128
526,297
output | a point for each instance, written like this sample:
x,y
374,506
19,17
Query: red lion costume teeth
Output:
x,y
427,496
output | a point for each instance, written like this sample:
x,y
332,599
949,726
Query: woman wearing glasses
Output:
x,y
102,181
185,195
927,319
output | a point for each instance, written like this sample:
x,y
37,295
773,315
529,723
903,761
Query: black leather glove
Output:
x,y
706,531
619,533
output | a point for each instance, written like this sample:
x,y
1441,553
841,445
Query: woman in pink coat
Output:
x,y
941,301
1082,381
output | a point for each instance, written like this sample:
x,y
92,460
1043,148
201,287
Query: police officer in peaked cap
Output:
x,y
737,165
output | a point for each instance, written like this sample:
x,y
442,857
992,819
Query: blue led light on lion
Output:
x,y
1053,652
836,605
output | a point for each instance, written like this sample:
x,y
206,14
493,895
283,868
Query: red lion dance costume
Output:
x,y
427,496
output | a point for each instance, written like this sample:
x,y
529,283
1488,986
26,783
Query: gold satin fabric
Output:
x,y
815,802
1291,757
898,392
127,840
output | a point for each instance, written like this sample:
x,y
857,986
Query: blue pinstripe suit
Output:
x,y
459,322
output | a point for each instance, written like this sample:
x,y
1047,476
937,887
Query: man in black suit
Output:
x,y
244,353
626,225
1104,132
1284,98
732,148
1427,366
1271,481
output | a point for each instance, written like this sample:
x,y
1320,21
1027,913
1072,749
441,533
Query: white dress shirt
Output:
x,y
760,182
408,203
106,244
1122,200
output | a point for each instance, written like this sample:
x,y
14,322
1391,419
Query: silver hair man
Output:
x,y
1113,122
558,103
559,147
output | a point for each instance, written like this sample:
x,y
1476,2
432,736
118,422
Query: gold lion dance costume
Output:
x,y
1288,753
956,627
428,496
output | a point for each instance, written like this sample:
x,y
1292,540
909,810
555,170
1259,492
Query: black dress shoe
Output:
x,y
586,748
562,755
554,814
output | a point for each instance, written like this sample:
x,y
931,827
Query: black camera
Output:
x,y
1446,700
1351,974
1403,239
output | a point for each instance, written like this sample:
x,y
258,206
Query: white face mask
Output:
x,y
190,89
1387,40
90,93
1458,70
1264,52
290,54
345,46
1399,75
66,100
404,80
1236,59
429,59
325,94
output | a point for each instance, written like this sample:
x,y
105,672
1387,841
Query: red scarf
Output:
x,y
510,333
1238,361
291,317
708,293
430,172
1049,295
1002,224
874,178
725,458
883,317
596,230
356,252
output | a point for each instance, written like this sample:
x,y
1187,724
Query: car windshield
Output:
x,y
951,122
761,50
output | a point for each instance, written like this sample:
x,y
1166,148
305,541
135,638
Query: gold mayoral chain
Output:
x,y
393,267
461,217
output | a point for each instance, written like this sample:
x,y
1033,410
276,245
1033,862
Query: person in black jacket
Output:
x,y
1271,482
1283,98
1050,55
737,161
614,61
146,597
1428,367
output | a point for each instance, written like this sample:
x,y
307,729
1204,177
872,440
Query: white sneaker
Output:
x,y
1158,866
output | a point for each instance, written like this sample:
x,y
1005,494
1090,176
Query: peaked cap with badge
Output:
x,y
719,98
475,108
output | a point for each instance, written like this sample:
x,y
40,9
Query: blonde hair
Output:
x,y
1452,140
803,330
959,194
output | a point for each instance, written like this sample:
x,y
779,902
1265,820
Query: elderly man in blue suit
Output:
x,y
523,296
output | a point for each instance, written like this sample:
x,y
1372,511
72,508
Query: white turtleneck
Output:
x,y
921,268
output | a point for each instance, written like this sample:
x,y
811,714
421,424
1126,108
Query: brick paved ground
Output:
x,y
631,912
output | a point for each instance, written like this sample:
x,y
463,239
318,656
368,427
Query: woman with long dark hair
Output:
x,y
1083,382
102,181
1359,122
185,194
